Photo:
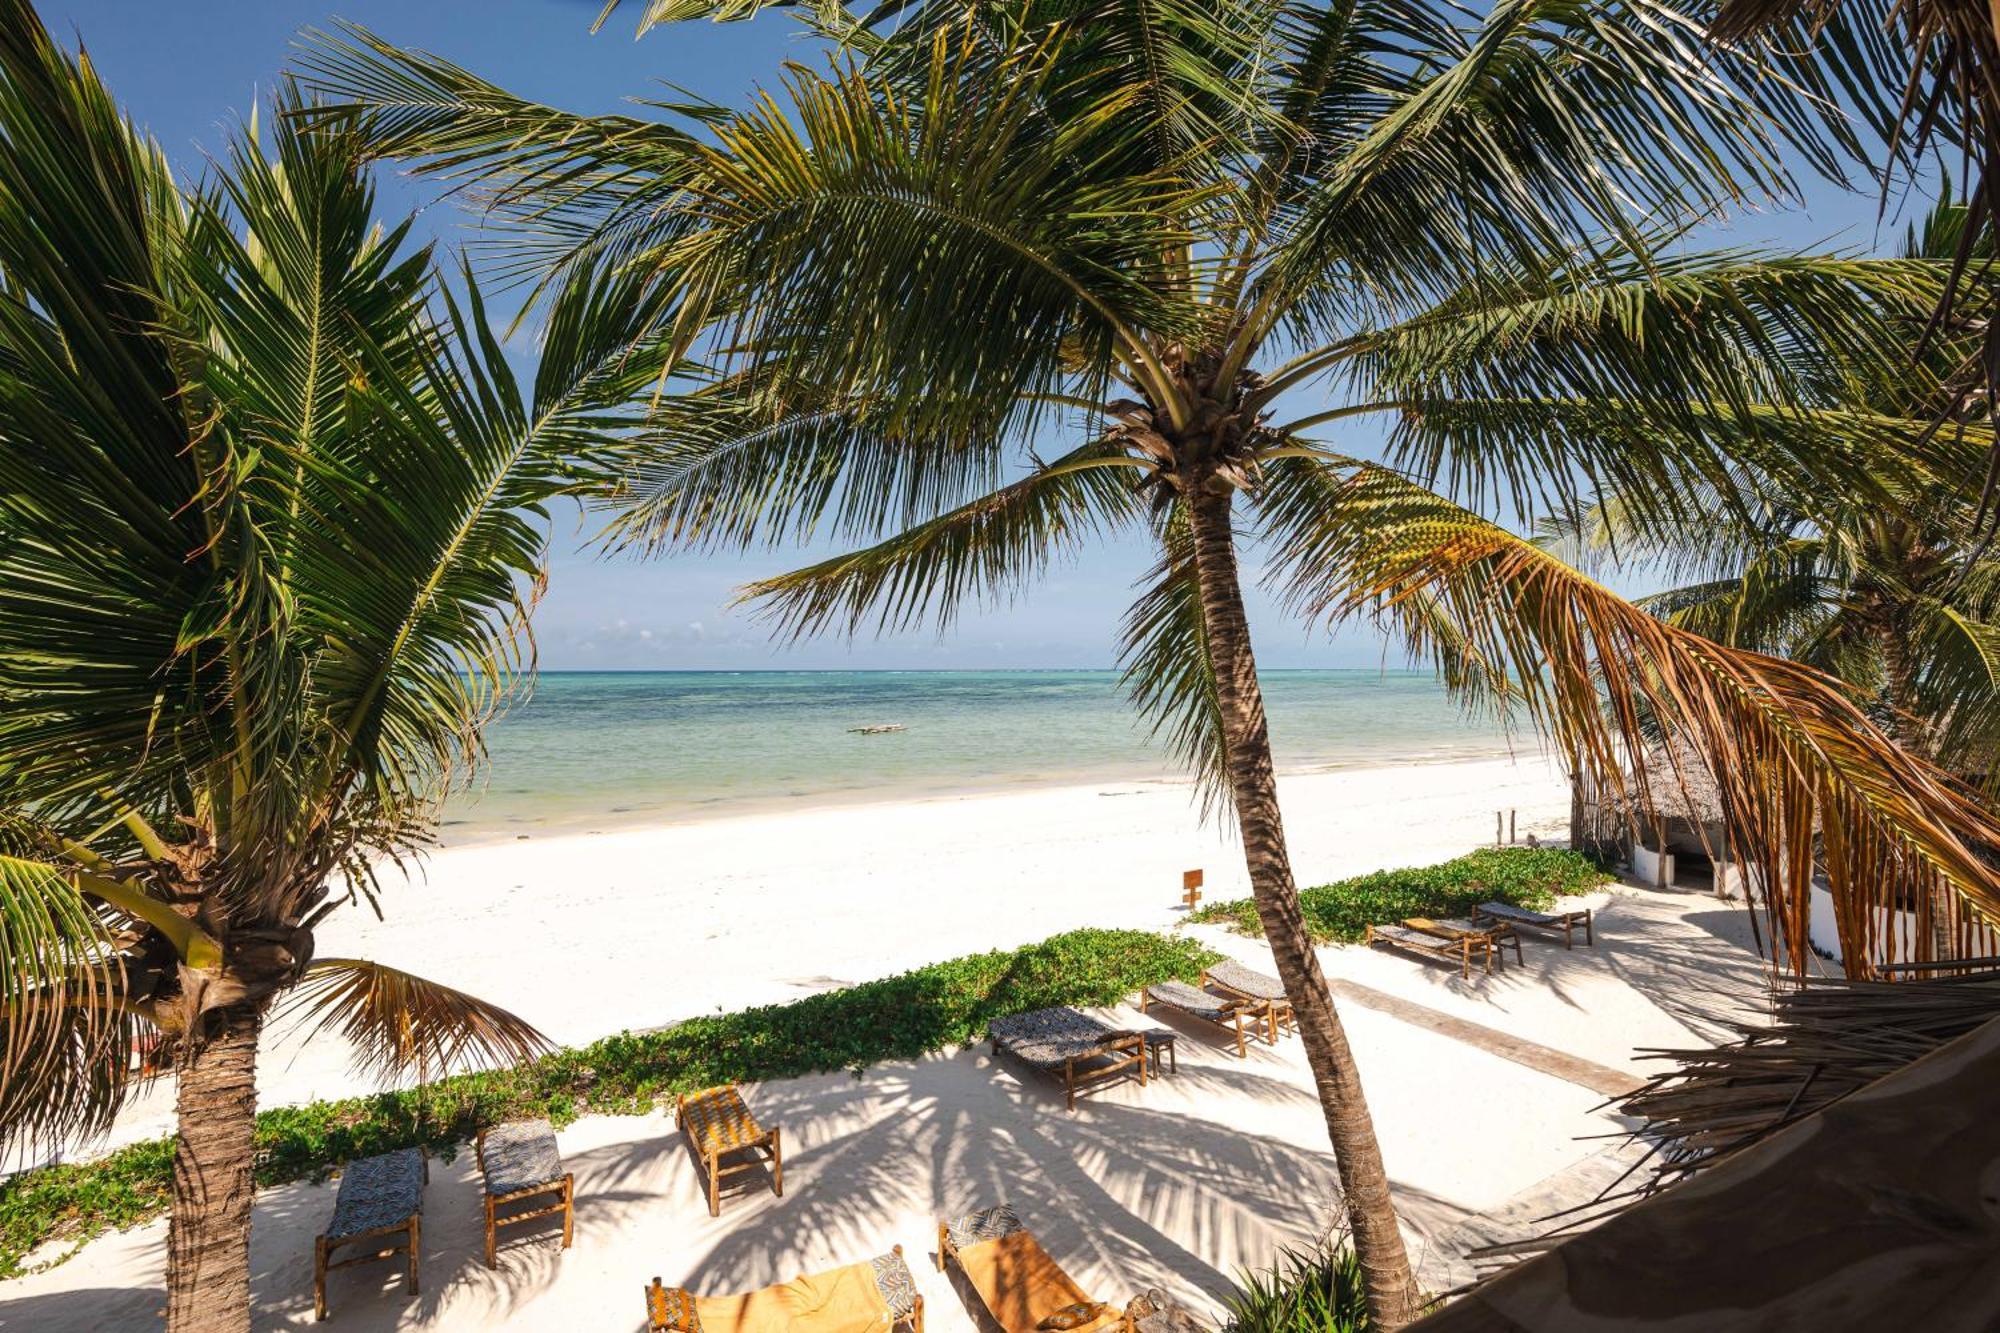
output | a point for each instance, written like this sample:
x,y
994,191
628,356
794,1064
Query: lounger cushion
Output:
x,y
1046,1038
520,1155
718,1121
378,1192
1021,1285
844,1300
1246,981
1193,1000
986,1224
1528,916
672,1308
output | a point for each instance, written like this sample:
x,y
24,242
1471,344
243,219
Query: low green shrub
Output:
x,y
1341,913
1305,1291
899,1017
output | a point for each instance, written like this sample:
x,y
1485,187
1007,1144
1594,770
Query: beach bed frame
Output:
x,y
1451,948
1069,1046
1236,979
1014,1277
380,1198
1519,917
677,1310
717,1124
519,1160
1226,1011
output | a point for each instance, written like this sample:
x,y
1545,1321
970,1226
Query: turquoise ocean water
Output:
x,y
594,750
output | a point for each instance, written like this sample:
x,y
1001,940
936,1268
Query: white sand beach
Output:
x,y
1486,1093
586,935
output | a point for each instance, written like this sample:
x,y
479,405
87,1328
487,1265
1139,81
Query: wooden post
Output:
x,y
1496,828
1191,888
1510,827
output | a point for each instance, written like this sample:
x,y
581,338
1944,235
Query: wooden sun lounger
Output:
x,y
1228,1012
1566,922
380,1197
875,1295
1497,934
1236,979
1458,949
1016,1280
1070,1046
519,1160
717,1124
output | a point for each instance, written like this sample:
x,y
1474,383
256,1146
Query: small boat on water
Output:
x,y
877,729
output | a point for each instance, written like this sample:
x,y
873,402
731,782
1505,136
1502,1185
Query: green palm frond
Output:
x,y
1543,130
400,1024
578,189
987,549
1166,669
1787,749
66,1028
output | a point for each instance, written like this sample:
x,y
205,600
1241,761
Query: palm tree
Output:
x,y
1923,75
1152,224
1901,600
267,553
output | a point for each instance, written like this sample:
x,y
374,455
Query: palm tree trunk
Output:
x,y
208,1241
1378,1241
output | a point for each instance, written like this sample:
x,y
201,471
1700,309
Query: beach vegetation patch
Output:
x,y
896,1018
1341,912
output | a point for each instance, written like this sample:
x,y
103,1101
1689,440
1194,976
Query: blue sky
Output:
x,y
188,71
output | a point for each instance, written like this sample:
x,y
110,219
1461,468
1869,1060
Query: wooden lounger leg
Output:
x,y
1242,1047
944,1239
917,1316
319,1277
569,1208
777,1164
1589,930
416,1248
1465,960
1069,1080
714,1161
491,1260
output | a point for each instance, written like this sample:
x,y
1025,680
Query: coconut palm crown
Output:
x,y
268,544
1203,246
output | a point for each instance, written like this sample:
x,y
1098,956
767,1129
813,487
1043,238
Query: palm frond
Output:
x,y
66,1032
1541,130
400,1024
1167,672
571,190
1808,783
986,549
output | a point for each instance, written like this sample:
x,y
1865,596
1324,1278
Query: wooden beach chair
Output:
x,y
1231,1013
716,1124
1452,949
860,1298
1566,922
519,1161
1236,979
1022,1288
380,1205
1069,1046
1496,934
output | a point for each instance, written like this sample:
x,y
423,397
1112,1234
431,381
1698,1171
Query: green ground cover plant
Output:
x,y
1340,913
900,1017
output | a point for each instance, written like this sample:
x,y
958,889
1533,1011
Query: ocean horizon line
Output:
x,y
941,671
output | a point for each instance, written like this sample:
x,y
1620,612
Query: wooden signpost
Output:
x,y
1191,888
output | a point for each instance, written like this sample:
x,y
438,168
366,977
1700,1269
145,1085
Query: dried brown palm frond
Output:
x,y
1809,786
399,1023
1823,1042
